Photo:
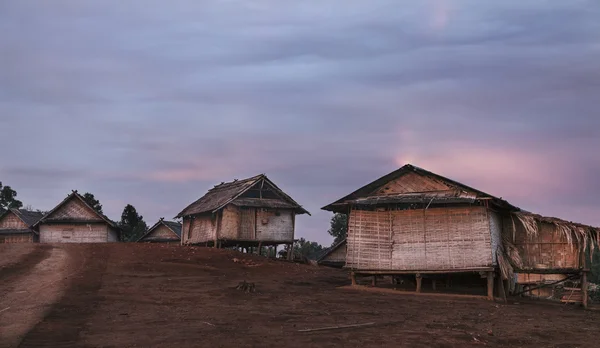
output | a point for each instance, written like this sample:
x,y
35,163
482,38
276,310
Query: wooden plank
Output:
x,y
490,286
584,287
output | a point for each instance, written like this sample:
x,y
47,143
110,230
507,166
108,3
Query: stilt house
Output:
x,y
163,232
74,221
334,256
16,226
413,221
246,213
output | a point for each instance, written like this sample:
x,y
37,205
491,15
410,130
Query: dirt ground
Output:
x,y
140,295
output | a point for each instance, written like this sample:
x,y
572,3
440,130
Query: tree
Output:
x,y
339,227
93,202
132,224
8,199
304,248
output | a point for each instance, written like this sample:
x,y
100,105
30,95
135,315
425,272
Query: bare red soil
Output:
x,y
140,295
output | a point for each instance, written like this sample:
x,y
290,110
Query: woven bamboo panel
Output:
x,y
12,222
230,223
274,225
74,210
339,255
411,182
433,239
248,223
201,229
16,238
74,233
548,249
369,240
162,233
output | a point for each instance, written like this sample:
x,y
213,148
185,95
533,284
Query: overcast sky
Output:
x,y
152,102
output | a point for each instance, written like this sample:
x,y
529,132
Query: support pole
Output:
x,y
490,286
419,282
353,278
433,284
584,289
260,248
374,283
290,252
501,291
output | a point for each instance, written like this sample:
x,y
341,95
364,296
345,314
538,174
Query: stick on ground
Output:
x,y
337,327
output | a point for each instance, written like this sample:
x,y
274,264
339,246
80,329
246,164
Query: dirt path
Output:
x,y
138,295
27,291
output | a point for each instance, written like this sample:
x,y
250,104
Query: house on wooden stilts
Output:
x,y
163,232
74,221
253,212
16,226
415,222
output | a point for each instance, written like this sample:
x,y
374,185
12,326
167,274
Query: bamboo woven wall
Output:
x,y
161,233
230,223
74,210
201,229
74,233
435,239
274,225
339,255
16,238
548,249
12,222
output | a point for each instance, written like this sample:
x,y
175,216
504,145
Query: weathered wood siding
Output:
x,y
75,233
338,255
17,238
161,233
10,221
74,209
200,229
274,225
409,183
548,249
435,239
230,223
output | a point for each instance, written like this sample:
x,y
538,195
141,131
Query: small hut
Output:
x,y
15,226
74,221
413,221
334,256
163,232
245,213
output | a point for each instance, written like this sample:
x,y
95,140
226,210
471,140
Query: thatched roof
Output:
x,y
75,195
458,193
230,192
172,225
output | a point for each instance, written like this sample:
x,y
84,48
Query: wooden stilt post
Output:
x,y
374,282
584,289
393,280
433,284
490,286
507,287
353,278
290,252
448,281
419,282
501,291
259,248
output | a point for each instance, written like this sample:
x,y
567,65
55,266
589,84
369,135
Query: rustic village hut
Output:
x,y
74,221
163,232
413,221
245,213
334,256
15,226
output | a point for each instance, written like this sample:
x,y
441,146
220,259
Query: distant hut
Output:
x,y
334,256
245,213
15,226
163,232
413,221
74,221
